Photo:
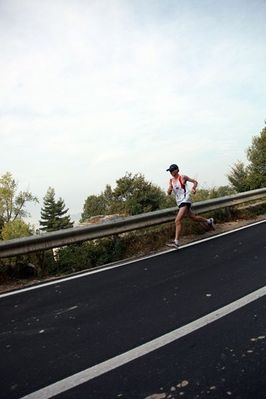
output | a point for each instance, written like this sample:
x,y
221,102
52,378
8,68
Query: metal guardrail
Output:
x,y
85,233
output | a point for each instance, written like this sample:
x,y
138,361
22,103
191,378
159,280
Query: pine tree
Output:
x,y
53,214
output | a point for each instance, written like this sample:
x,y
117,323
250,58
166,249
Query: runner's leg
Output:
x,y
182,212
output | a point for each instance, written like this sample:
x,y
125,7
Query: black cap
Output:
x,y
172,168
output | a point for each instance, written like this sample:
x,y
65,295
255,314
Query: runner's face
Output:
x,y
174,172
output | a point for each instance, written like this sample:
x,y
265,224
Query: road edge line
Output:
x,y
144,349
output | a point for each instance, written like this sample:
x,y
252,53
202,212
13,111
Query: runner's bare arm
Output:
x,y
170,188
195,183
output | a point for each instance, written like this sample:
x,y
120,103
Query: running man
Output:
x,y
178,185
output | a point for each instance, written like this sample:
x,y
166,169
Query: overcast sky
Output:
x,y
92,89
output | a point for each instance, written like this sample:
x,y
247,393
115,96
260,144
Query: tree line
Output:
x,y
132,195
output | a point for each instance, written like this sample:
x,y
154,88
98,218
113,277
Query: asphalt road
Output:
x,y
58,333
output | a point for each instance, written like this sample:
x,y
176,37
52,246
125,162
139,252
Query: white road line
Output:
x,y
103,269
117,361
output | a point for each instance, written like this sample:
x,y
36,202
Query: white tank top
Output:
x,y
182,194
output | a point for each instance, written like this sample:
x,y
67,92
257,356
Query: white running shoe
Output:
x,y
211,223
172,244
